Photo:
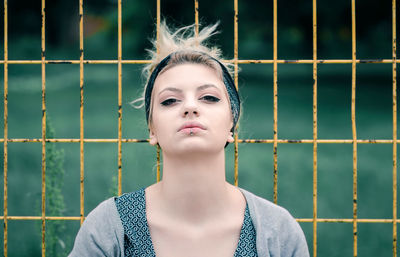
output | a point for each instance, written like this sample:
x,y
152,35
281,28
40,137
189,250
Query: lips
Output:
x,y
191,125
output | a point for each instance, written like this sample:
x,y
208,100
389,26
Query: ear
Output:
x,y
230,138
153,138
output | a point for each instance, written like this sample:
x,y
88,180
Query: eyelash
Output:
x,y
208,98
169,101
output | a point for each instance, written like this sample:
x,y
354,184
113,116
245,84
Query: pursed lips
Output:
x,y
191,125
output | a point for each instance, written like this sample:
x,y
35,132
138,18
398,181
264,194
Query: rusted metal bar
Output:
x,y
315,129
322,220
242,61
353,125
158,33
275,79
196,17
66,140
43,39
158,164
319,141
76,61
40,218
394,77
236,79
343,61
5,141
158,21
243,141
81,124
119,97
236,160
301,220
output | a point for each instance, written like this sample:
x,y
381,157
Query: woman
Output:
x,y
192,108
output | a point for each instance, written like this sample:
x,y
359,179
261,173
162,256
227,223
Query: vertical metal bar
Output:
x,y
158,163
5,144
196,16
158,31
43,130
394,74
315,130
81,132
119,97
353,122
275,42
158,21
235,57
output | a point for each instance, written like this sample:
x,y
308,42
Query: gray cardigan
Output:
x,y
278,233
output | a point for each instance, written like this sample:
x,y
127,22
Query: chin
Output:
x,y
195,149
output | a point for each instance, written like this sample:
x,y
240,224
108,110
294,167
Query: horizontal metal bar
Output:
x,y
39,218
73,140
334,61
348,220
250,141
302,220
338,61
75,62
320,141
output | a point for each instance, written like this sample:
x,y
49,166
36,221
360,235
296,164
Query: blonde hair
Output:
x,y
184,46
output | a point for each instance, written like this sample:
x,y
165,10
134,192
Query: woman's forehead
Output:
x,y
188,76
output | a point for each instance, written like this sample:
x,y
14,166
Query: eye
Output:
x,y
169,101
210,98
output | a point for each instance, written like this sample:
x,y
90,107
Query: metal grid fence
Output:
x,y
275,140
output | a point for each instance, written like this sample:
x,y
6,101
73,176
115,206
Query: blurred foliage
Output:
x,y
55,205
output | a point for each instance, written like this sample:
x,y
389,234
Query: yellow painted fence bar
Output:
x,y
196,16
394,74
242,61
275,85
81,120
119,97
43,129
245,141
5,140
315,130
303,220
353,125
235,58
158,28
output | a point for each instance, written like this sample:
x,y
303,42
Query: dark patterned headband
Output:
x,y
228,81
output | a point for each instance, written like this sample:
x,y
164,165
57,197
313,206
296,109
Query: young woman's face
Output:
x,y
191,111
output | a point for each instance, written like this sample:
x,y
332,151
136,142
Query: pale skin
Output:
x,y
192,211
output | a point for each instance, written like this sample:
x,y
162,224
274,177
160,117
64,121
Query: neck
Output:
x,y
194,188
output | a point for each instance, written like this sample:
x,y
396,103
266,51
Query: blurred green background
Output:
x,y
295,83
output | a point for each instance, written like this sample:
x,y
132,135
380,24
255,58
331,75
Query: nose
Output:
x,y
190,108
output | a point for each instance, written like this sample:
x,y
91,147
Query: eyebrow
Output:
x,y
202,87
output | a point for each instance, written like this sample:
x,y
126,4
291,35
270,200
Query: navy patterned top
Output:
x,y
137,241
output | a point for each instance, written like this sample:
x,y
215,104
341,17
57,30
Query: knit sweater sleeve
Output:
x,y
101,234
292,241
278,233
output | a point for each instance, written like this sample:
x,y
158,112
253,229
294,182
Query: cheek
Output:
x,y
224,119
160,122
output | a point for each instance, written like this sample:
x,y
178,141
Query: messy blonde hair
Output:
x,y
184,46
